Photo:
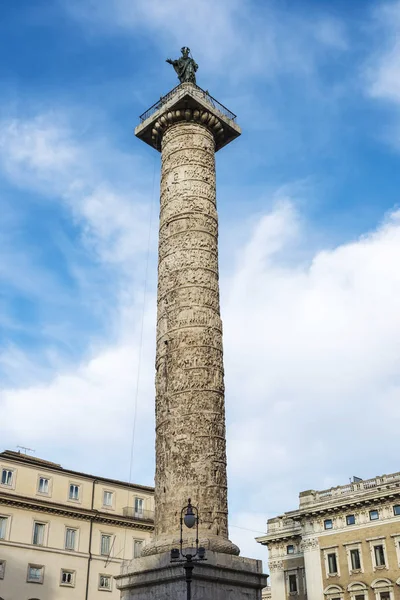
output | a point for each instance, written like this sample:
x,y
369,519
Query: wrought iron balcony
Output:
x,y
140,515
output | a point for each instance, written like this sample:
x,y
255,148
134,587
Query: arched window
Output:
x,y
357,590
383,589
334,592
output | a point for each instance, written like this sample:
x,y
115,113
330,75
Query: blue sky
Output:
x,y
309,236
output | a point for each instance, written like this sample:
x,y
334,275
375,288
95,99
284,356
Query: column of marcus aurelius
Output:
x,y
187,126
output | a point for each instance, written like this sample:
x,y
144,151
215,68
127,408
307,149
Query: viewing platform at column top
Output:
x,y
187,102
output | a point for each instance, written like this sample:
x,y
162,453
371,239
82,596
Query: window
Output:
x,y
3,527
138,507
379,554
67,578
107,498
290,549
137,548
396,509
359,597
328,524
384,596
105,545
350,520
2,568
43,486
105,582
355,559
332,563
38,533
35,573
73,492
373,515
7,477
292,583
70,538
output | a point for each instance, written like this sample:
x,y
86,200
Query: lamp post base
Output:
x,y
220,577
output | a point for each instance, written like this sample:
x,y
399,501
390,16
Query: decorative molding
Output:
x,y
275,565
309,545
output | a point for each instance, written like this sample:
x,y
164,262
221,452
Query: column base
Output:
x,y
219,577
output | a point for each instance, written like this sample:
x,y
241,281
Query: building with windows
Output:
x,y
64,534
340,544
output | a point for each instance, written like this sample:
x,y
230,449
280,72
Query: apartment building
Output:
x,y
340,544
64,534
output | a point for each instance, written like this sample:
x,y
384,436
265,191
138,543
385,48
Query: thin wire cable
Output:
x,y
141,340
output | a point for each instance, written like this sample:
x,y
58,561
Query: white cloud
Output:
x,y
237,37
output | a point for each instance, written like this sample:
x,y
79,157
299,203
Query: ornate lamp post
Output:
x,y
189,517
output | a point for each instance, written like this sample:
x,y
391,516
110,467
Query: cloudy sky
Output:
x,y
308,198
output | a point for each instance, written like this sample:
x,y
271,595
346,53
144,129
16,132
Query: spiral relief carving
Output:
x,y
190,408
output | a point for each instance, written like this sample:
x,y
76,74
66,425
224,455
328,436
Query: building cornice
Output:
x,y
73,512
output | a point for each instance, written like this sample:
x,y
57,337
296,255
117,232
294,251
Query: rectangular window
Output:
x,y
290,549
292,583
379,556
332,564
373,515
384,596
355,560
137,548
350,520
73,492
105,545
3,527
105,582
35,573
138,507
70,539
7,477
107,498
67,578
38,533
43,486
359,597
328,524
2,568
396,509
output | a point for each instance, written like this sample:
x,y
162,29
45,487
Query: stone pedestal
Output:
x,y
220,577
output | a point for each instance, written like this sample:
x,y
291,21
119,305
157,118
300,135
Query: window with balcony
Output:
x,y
70,538
105,582
3,527
67,578
139,507
43,485
292,580
7,477
39,530
290,549
107,498
355,559
332,563
35,573
328,524
74,491
105,545
350,520
379,555
373,515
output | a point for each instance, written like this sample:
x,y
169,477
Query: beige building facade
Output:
x,y
64,534
341,544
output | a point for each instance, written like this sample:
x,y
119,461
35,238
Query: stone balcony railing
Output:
x,y
141,515
356,488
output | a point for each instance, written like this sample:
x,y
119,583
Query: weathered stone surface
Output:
x,y
190,409
219,577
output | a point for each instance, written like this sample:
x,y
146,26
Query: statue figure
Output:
x,y
185,66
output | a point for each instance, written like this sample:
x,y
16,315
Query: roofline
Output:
x,y
40,463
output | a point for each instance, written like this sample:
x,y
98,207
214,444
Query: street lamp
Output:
x,y
189,517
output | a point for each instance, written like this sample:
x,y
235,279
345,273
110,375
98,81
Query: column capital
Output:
x,y
187,102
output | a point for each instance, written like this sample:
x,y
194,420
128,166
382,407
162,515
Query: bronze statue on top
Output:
x,y
185,66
